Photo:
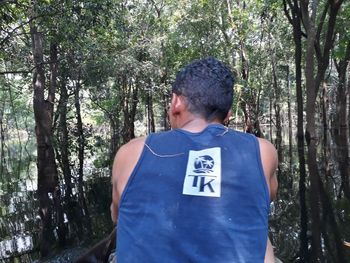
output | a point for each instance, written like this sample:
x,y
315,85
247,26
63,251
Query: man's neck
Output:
x,y
196,124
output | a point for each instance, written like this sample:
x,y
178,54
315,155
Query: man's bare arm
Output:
x,y
115,196
269,160
269,255
123,165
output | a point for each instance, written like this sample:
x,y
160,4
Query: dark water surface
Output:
x,y
86,221
87,217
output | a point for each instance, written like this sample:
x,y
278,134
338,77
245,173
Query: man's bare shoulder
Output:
x,y
134,145
125,161
128,153
269,156
266,147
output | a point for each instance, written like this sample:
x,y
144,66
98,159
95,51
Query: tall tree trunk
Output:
x,y
130,98
248,126
341,122
348,92
58,211
2,142
19,155
316,252
115,137
165,101
150,113
295,20
341,140
290,127
46,165
81,137
325,145
270,113
81,153
277,108
63,140
324,106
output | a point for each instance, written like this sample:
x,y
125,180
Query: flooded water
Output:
x,y
86,221
87,218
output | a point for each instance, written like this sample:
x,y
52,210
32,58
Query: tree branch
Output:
x,y
29,70
17,71
318,33
286,10
334,8
9,35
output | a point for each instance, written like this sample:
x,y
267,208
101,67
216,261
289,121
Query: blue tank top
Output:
x,y
195,197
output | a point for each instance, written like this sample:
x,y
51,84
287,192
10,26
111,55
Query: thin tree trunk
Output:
x,y
58,212
324,106
277,108
81,136
2,142
19,156
129,109
248,126
341,123
326,147
114,124
81,153
310,133
150,113
257,129
166,125
63,140
290,131
270,121
348,92
295,20
341,139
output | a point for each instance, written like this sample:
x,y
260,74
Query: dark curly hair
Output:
x,y
207,85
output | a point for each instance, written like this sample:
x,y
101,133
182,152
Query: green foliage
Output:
x,y
114,48
343,35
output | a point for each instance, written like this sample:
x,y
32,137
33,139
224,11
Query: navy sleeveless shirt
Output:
x,y
195,197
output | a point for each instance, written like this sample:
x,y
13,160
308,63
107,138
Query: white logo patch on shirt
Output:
x,y
203,173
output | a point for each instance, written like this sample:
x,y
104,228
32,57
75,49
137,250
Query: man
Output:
x,y
200,192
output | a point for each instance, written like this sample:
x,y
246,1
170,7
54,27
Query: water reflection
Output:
x,y
16,245
86,220
18,221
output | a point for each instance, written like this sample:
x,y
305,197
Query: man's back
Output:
x,y
195,197
179,204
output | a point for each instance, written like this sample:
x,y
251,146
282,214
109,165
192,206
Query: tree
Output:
x,y
43,112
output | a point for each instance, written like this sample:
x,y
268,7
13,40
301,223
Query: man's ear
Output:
x,y
178,104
